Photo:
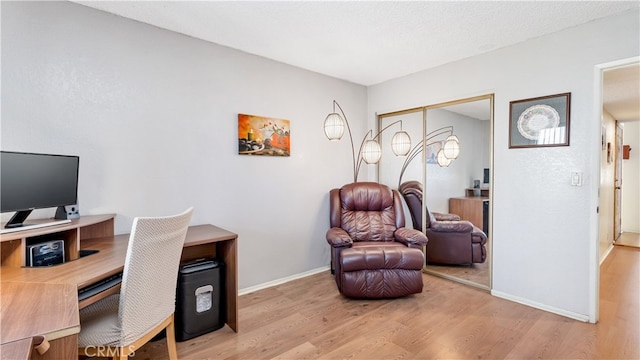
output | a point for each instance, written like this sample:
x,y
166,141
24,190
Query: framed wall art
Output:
x,y
541,121
259,135
431,152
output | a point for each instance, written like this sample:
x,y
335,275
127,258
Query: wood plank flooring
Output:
x,y
474,273
308,319
628,239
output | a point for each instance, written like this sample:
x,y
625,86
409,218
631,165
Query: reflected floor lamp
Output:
x,y
449,151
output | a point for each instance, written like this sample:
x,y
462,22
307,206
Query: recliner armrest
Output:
x,y
445,217
452,226
338,237
410,237
478,236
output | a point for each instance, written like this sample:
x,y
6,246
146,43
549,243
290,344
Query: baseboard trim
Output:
x,y
551,309
606,253
282,280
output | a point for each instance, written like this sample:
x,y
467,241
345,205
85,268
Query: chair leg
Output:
x,y
171,341
122,355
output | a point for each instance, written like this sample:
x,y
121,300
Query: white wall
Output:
x,y
544,232
153,116
631,178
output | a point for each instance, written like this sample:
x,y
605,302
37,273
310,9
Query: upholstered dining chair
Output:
x,y
451,241
119,324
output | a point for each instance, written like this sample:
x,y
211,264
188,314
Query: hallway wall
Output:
x,y
607,187
631,179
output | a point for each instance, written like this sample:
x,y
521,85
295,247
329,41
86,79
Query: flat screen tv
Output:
x,y
31,181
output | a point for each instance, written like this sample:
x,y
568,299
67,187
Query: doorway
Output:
x,y
619,94
620,103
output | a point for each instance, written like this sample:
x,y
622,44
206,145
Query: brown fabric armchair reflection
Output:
x,y
373,254
451,241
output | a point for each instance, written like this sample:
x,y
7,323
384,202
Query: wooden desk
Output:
x,y
30,288
19,349
469,208
483,192
32,309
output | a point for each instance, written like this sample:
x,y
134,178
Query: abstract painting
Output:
x,y
259,135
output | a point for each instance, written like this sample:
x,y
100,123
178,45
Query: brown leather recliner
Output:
x,y
373,254
451,241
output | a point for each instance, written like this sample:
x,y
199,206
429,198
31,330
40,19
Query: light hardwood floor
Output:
x,y
628,239
474,273
308,319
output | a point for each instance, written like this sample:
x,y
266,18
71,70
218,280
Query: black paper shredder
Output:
x,y
199,298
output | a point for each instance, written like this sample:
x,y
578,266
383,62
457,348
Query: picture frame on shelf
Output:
x,y
540,122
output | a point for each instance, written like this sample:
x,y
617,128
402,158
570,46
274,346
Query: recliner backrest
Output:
x,y
367,211
412,192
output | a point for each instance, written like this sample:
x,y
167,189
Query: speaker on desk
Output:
x,y
67,212
45,254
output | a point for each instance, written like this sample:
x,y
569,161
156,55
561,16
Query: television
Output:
x,y
31,181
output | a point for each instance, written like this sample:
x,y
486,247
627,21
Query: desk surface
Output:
x,y
50,310
471,198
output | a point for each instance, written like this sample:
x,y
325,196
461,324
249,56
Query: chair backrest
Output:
x,y
367,211
412,193
148,291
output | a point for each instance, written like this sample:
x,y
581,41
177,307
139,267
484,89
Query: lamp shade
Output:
x,y
451,148
334,126
442,160
371,152
401,143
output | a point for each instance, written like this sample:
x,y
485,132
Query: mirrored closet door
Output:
x,y
449,171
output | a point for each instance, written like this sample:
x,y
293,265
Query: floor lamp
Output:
x,y
369,151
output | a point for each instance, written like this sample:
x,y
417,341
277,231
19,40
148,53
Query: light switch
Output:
x,y
576,178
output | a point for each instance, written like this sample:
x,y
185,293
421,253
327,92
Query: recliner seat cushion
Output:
x,y
374,258
381,272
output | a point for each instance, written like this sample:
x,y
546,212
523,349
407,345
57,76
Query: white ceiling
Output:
x,y
365,42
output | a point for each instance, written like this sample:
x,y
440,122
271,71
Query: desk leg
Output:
x,y
63,348
228,253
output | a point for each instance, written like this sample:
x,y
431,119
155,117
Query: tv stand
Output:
x,y
34,226
14,241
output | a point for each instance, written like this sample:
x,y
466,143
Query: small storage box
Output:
x,y
199,298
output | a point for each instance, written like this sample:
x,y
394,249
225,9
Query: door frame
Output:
x,y
617,196
594,263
